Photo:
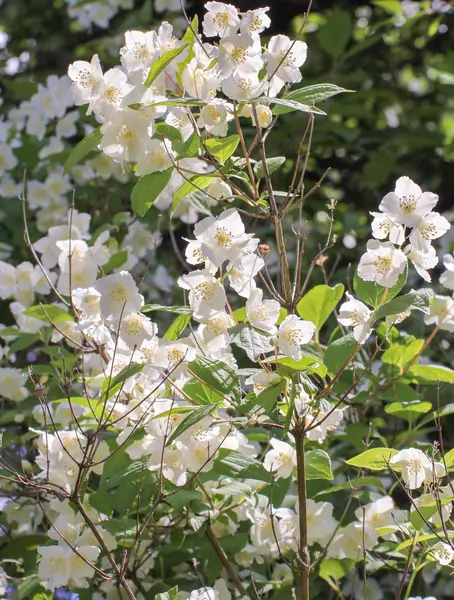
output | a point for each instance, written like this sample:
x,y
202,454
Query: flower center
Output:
x,y
133,327
382,264
238,55
427,231
408,203
118,295
204,291
175,356
223,237
113,95
222,20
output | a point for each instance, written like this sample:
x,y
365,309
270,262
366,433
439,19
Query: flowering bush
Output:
x,y
276,438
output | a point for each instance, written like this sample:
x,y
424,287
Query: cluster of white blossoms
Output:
x,y
101,12
134,386
405,215
134,105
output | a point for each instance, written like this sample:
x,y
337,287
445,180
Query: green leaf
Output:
x,y
408,410
222,148
337,353
335,34
192,419
375,459
189,148
373,294
23,342
217,375
413,301
177,327
318,465
161,64
30,585
164,129
449,458
48,313
84,147
289,104
311,364
196,183
332,568
147,189
251,341
267,399
309,95
179,310
435,373
200,393
272,163
115,261
392,6
189,39
319,303
112,385
401,355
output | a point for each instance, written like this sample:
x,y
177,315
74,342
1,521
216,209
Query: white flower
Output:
x,y
255,21
8,159
198,79
262,314
284,58
293,332
59,564
447,278
241,274
87,301
262,380
422,261
158,156
416,467
7,280
108,93
139,51
206,293
281,459
320,522
223,238
126,137
354,313
441,512
119,295
221,19
215,117
240,53
180,118
383,226
408,204
219,189
85,76
215,330
135,328
441,313
429,228
242,86
443,553
324,421
12,384
264,114
382,263
380,513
